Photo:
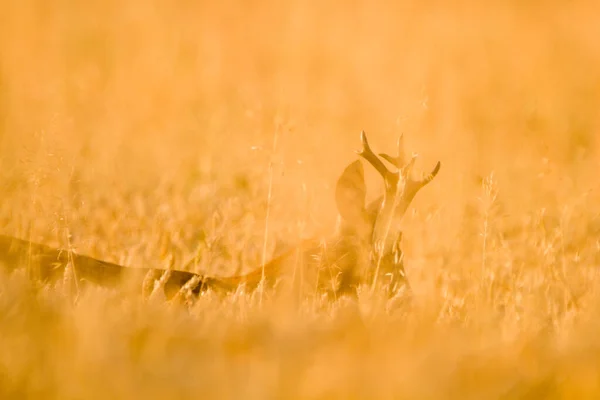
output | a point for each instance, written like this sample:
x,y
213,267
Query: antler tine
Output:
x,y
372,158
400,160
432,175
407,169
401,155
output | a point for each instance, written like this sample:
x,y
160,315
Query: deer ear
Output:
x,y
351,191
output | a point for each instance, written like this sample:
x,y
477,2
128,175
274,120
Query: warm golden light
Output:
x,y
148,133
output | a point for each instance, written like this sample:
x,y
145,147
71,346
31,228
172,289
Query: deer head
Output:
x,y
377,227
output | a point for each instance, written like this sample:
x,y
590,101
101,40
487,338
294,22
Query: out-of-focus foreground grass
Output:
x,y
139,131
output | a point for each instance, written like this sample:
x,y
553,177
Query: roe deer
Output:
x,y
365,249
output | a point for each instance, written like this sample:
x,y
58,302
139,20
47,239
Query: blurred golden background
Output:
x,y
133,129
133,96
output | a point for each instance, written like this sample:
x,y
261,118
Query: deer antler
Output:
x,y
400,187
399,160
386,212
389,178
406,167
432,175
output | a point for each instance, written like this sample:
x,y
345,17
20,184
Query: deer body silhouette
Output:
x,y
365,249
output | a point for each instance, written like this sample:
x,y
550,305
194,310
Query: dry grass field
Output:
x,y
152,132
